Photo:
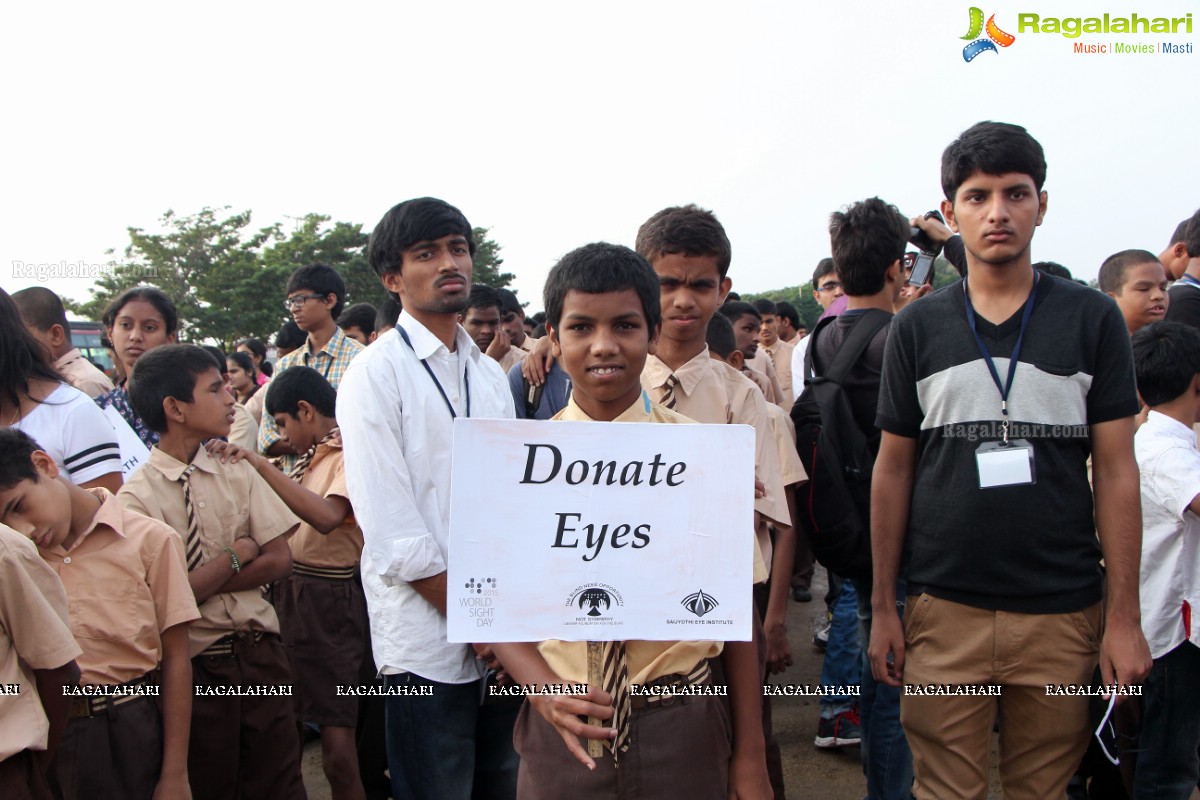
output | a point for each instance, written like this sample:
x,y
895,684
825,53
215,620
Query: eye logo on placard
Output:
x,y
699,603
995,36
477,586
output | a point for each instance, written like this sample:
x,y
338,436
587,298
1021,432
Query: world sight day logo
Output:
x,y
982,44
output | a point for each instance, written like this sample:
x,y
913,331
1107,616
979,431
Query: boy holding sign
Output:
x,y
603,320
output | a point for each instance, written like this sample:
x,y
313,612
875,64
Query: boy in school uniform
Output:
x,y
321,607
243,734
770,598
1137,280
130,606
1166,356
603,319
690,252
315,295
37,656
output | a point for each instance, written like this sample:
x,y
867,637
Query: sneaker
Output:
x,y
821,637
842,731
801,594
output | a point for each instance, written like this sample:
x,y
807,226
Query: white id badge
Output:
x,y
1001,465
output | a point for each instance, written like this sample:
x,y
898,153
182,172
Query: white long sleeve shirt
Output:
x,y
396,433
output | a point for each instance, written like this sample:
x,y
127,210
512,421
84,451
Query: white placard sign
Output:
x,y
594,531
134,452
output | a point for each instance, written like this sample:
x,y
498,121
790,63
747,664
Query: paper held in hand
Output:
x,y
591,531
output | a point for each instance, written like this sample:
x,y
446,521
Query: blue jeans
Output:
x,y
843,654
1167,763
886,759
446,746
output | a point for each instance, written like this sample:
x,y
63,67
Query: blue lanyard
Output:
x,y
1012,361
1189,280
436,382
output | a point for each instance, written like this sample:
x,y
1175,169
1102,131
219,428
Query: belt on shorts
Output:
x,y
85,707
227,645
330,573
700,674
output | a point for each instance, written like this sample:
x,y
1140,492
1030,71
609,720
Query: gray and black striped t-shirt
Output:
x,y
1029,548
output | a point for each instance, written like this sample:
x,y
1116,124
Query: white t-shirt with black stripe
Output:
x,y
75,432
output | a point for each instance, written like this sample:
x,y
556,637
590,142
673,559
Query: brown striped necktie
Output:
x,y
191,542
668,398
305,461
616,683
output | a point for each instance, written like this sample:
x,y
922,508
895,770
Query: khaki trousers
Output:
x,y
1042,737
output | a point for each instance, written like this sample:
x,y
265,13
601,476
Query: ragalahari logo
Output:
x,y
995,36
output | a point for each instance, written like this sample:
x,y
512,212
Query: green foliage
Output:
x,y
487,261
342,246
208,266
229,280
944,273
799,296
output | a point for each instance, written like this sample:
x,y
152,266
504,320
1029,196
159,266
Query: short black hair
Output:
x,y
294,384
155,297
867,238
1192,236
788,311
359,315
320,279
422,219
765,307
733,311
388,314
509,304
218,355
993,148
685,230
167,371
1112,271
1180,233
42,309
1166,357
16,457
290,336
482,296
602,268
824,267
720,337
1055,269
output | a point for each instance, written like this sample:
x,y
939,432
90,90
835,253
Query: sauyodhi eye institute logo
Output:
x,y
995,36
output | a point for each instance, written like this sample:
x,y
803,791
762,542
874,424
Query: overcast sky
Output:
x,y
557,124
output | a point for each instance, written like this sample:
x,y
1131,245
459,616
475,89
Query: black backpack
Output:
x,y
835,504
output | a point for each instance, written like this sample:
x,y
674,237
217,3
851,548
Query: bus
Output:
x,y
89,338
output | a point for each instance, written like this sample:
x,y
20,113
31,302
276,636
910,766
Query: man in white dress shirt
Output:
x,y
396,406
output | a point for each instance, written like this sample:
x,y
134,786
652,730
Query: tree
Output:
x,y
229,281
487,261
342,246
799,296
208,266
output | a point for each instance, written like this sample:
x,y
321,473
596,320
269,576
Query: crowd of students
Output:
x,y
213,557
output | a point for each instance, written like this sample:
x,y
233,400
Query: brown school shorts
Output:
x,y
323,625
